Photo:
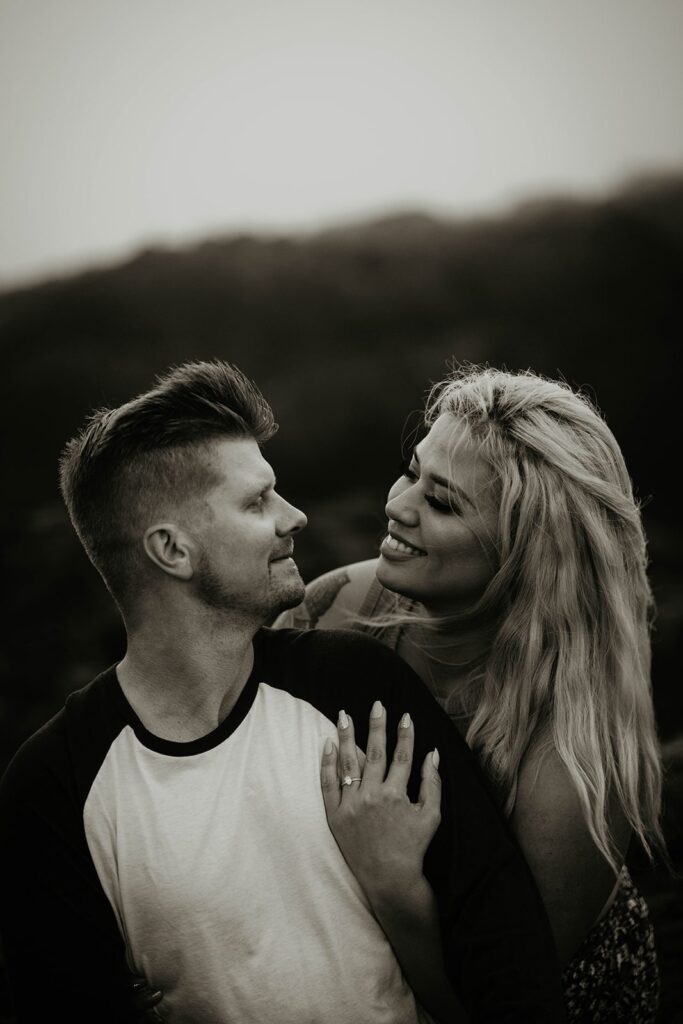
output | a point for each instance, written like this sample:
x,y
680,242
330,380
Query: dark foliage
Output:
x,y
343,331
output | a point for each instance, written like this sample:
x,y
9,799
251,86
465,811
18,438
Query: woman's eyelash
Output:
x,y
440,506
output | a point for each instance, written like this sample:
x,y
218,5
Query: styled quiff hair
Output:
x,y
130,465
570,603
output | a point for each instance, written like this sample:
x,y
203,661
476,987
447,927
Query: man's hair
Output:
x,y
130,465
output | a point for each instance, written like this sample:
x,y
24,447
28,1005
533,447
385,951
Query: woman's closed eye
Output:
x,y
412,473
441,506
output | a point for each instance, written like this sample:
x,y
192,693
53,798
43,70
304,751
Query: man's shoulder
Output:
x,y
333,669
52,757
331,648
38,749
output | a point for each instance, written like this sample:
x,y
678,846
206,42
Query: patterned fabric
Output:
x,y
614,976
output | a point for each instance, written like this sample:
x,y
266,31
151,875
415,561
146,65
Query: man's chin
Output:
x,y
291,596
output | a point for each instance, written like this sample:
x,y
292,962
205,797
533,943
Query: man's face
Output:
x,y
244,534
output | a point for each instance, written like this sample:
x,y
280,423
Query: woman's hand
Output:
x,y
382,835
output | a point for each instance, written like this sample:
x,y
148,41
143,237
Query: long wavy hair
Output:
x,y
569,604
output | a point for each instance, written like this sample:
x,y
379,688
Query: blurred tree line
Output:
x,y
343,331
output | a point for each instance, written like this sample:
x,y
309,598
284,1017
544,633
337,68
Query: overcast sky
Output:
x,y
127,122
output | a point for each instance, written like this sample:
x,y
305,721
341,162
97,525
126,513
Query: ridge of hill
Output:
x,y
343,329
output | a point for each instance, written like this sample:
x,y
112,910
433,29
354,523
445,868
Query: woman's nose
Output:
x,y
401,506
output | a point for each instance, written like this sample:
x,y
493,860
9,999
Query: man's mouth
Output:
x,y
283,556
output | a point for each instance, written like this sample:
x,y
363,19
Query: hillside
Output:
x,y
343,330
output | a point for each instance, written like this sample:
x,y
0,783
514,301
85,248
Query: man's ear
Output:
x,y
170,549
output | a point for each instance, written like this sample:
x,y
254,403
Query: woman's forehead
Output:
x,y
450,453
449,438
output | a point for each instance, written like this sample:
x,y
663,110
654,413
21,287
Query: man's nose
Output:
x,y
292,519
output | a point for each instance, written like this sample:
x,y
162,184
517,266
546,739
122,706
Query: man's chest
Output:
x,y
227,884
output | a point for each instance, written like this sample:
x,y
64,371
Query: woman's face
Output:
x,y
440,546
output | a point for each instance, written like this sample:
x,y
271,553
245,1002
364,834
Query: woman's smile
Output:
x,y
396,549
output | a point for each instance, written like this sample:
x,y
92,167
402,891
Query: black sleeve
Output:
x,y
65,956
499,947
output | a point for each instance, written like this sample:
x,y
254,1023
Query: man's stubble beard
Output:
x,y
216,593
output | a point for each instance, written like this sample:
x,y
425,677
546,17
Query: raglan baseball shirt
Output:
x,y
209,868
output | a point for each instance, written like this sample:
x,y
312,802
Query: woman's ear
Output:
x,y
169,548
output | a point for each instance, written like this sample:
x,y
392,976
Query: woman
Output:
x,y
512,578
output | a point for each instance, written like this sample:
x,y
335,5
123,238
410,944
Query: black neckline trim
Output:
x,y
174,748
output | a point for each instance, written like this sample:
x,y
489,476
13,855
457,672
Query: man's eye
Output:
x,y
408,472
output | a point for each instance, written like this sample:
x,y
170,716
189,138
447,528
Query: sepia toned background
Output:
x,y
344,199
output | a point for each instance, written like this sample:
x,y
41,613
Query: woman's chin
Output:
x,y
394,575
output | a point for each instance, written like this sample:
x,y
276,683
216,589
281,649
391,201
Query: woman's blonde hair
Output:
x,y
570,601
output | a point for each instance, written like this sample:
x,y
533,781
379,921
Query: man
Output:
x,y
169,820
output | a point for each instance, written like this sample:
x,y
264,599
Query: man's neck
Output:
x,y
182,676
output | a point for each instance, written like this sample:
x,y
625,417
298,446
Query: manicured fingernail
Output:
x,y
327,749
405,721
376,710
435,757
343,720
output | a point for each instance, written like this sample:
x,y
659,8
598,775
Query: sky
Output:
x,y
127,123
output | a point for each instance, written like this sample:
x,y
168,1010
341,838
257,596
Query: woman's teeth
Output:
x,y
398,545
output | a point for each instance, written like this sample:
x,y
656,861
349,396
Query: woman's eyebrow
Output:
x,y
449,485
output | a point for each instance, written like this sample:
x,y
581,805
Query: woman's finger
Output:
x,y
429,797
349,768
376,753
329,778
399,770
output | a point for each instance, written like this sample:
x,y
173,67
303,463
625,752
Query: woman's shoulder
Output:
x,y
547,794
334,599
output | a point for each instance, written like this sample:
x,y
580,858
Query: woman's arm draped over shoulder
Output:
x,y
332,600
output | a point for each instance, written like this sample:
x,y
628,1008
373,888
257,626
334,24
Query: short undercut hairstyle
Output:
x,y
138,462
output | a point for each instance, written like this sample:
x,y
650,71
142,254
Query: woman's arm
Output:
x,y
384,837
574,879
332,600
